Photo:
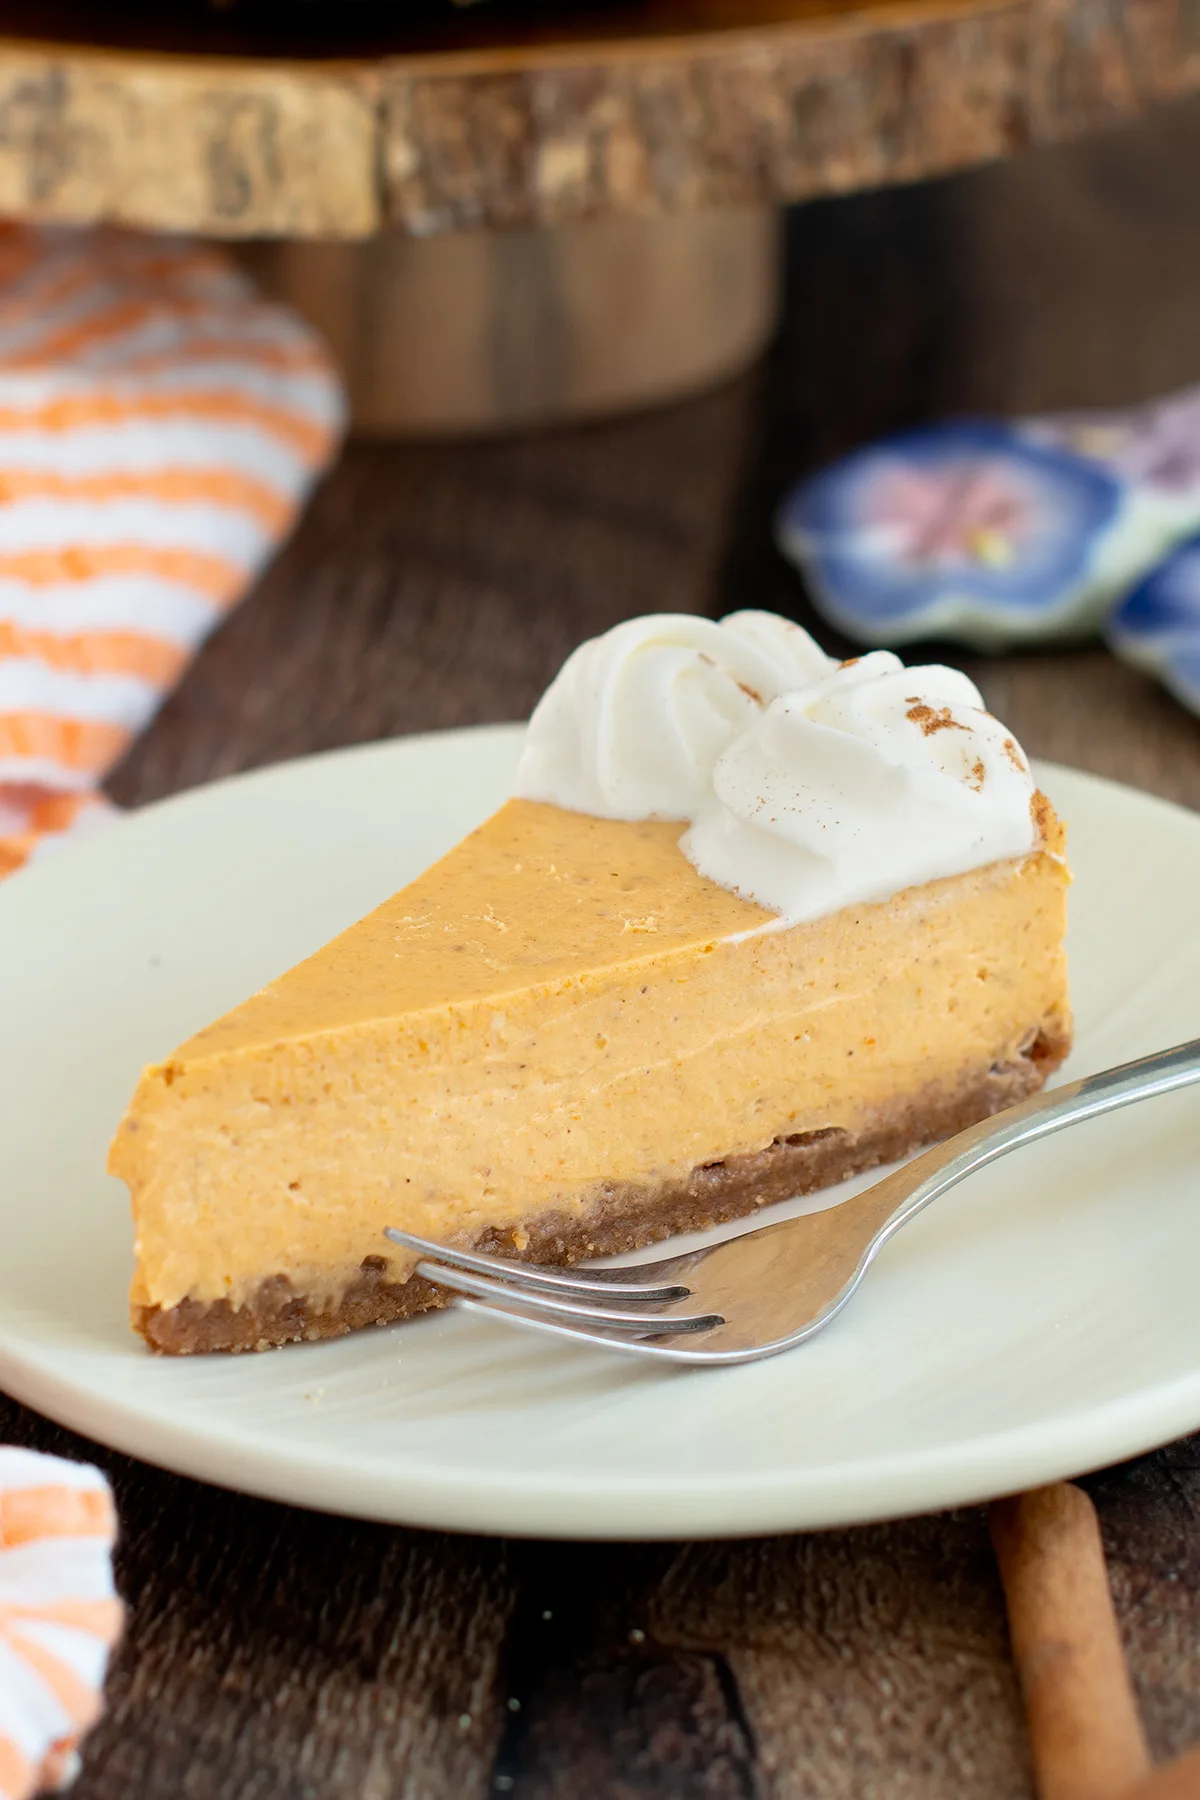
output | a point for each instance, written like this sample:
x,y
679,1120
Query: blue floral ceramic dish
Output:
x,y
1154,447
1157,628
971,530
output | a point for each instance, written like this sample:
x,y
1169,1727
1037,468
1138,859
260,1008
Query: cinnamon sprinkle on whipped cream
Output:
x,y
804,784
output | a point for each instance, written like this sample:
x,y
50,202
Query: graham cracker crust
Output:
x,y
619,1217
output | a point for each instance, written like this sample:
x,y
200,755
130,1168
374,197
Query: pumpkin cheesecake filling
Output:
x,y
566,1039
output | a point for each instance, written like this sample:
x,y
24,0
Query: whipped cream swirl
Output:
x,y
807,784
634,723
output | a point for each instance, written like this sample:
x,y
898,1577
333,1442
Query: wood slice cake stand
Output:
x,y
516,213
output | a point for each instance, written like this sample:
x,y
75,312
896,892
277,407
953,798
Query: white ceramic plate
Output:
x,y
1039,1321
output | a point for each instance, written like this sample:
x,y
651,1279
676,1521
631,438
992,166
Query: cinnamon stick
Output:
x,y
1178,1780
1084,1730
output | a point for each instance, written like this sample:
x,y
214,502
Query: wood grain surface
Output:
x,y
278,1655
334,122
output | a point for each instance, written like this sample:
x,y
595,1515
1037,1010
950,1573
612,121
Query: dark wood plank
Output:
x,y
272,1652
1149,1511
868,1662
600,1703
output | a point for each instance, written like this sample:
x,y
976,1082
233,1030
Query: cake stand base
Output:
x,y
490,331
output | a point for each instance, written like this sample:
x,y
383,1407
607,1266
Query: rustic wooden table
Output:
x,y
273,1653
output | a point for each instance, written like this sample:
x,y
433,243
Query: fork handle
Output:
x,y
947,1164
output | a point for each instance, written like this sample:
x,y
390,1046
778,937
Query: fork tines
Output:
x,y
565,1297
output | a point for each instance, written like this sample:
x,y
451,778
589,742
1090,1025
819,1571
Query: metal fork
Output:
x,y
769,1289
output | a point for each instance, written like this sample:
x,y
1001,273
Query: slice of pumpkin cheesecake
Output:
x,y
755,922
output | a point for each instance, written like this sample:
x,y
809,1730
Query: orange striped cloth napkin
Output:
x,y
59,1614
160,426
